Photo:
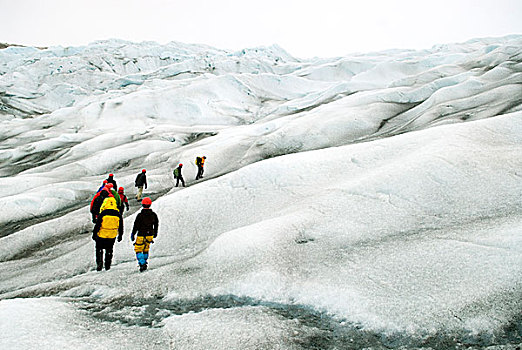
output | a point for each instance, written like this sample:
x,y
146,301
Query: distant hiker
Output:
x,y
146,228
109,225
200,162
111,180
140,182
102,186
124,201
178,176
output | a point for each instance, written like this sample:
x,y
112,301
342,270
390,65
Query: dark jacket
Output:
x,y
97,202
145,224
141,180
110,180
178,171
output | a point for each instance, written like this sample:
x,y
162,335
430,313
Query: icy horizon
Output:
x,y
370,200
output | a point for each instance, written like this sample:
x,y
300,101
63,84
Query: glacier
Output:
x,y
365,201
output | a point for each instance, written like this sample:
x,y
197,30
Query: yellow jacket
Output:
x,y
109,223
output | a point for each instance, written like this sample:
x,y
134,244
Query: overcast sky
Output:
x,y
305,28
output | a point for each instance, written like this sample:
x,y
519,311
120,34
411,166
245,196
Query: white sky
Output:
x,y
304,28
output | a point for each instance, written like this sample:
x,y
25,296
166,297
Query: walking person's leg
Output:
x,y
108,253
99,255
139,247
148,240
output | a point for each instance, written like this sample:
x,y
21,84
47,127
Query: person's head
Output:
x,y
105,182
180,165
146,202
204,157
120,190
143,171
111,176
109,186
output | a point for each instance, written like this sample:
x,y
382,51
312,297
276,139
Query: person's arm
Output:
x,y
95,208
120,230
155,225
97,226
135,226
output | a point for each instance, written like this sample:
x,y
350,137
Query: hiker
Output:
x,y
200,161
109,225
99,197
140,182
178,176
146,228
102,186
124,201
110,180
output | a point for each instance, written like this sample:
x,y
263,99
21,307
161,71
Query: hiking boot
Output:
x,y
143,267
99,268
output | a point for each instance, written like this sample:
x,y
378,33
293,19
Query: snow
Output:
x,y
240,328
364,201
32,324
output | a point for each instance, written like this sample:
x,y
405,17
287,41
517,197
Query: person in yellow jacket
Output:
x,y
109,225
